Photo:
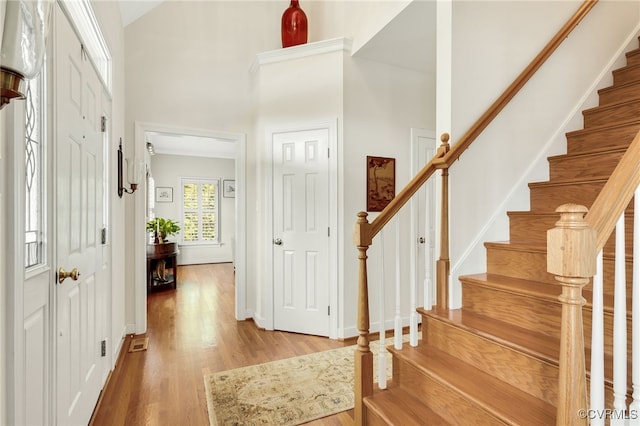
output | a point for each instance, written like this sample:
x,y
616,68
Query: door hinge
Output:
x,y
103,348
103,236
329,310
328,152
103,124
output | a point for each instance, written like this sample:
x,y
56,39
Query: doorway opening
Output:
x,y
187,146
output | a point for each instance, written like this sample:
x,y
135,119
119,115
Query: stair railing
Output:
x,y
364,232
574,255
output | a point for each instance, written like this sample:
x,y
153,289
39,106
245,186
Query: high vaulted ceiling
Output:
x,y
408,41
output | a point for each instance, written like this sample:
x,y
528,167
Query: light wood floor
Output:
x,y
192,332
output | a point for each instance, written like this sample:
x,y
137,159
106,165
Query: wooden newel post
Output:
x,y
443,264
571,257
363,385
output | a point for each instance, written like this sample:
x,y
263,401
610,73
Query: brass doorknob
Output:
x,y
63,275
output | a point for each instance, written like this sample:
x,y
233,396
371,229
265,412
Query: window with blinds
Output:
x,y
200,217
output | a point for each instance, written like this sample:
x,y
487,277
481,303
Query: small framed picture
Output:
x,y
164,195
381,182
229,188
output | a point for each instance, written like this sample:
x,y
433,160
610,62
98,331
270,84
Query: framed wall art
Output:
x,y
229,188
381,182
164,195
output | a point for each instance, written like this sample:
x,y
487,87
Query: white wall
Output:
x,y
167,171
492,43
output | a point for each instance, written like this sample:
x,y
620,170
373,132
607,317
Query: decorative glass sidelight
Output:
x,y
34,172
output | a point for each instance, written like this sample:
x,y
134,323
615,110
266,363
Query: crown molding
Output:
x,y
301,51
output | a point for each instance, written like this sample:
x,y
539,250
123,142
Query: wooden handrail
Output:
x,y
447,159
616,194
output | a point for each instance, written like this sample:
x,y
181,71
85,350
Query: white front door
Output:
x,y
424,148
79,163
301,231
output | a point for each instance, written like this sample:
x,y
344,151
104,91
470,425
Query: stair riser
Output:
x,y
520,310
633,58
518,264
608,332
610,115
542,315
532,265
534,228
620,94
441,398
373,419
581,142
531,227
548,197
584,167
626,75
526,373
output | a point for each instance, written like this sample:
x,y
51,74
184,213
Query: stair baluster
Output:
x,y
635,311
382,360
620,327
597,390
397,331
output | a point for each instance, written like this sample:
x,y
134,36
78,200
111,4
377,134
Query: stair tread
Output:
x,y
626,68
494,396
585,154
618,86
535,344
517,285
539,247
396,406
561,182
535,246
596,129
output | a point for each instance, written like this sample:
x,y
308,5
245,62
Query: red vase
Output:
x,y
294,25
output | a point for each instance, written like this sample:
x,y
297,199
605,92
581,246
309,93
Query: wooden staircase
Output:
x,y
495,361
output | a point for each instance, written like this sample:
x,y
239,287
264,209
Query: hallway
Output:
x,y
192,332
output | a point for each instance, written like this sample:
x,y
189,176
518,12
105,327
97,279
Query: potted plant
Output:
x,y
162,229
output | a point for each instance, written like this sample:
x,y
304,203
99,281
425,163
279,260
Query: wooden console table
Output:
x,y
157,253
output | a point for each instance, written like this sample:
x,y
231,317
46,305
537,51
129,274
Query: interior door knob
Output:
x,y
63,275
277,241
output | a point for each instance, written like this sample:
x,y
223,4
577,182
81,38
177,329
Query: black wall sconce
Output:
x,y
136,174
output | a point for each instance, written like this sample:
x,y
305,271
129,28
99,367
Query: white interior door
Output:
x,y
301,231
79,221
424,148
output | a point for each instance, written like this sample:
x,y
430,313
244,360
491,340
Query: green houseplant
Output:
x,y
162,228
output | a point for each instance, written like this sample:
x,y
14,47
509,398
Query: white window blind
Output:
x,y
200,219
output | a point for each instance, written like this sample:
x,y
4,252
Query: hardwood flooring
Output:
x,y
192,332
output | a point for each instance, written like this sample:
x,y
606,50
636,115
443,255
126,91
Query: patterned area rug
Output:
x,y
286,392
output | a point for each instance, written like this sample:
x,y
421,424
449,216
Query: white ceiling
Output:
x,y
130,10
191,146
408,41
